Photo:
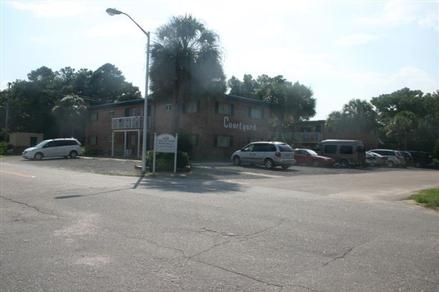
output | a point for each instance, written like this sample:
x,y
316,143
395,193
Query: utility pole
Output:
x,y
8,94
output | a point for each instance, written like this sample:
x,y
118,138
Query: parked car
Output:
x,y
393,157
344,152
269,154
60,147
310,157
421,158
407,157
375,159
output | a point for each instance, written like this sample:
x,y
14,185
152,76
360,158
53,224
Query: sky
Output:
x,y
341,49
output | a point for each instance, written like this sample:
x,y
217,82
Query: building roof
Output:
x,y
120,103
245,99
141,101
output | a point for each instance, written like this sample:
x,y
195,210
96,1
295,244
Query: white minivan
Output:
x,y
60,147
267,153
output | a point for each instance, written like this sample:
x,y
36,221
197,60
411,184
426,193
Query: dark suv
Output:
x,y
421,158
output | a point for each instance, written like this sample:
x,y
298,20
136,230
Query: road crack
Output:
x,y
342,256
241,274
28,206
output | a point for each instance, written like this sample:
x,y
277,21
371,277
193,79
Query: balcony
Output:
x,y
123,123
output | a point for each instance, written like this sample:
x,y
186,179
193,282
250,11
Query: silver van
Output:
x,y
344,152
61,147
269,154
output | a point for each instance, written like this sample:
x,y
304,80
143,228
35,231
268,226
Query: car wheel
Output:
x,y
38,156
236,160
73,154
390,163
344,163
268,163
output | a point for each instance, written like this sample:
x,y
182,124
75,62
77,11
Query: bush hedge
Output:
x,y
3,148
165,161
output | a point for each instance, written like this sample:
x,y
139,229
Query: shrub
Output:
x,y
436,149
89,151
165,161
185,144
3,148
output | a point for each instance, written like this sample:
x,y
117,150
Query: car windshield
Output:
x,y
312,152
41,144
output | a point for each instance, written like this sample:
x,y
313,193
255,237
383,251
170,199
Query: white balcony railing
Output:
x,y
135,122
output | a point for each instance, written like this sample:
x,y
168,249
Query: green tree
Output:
x,y
186,63
290,102
245,88
31,101
69,112
357,116
357,120
402,127
107,84
408,118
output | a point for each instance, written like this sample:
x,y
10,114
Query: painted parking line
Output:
x,y
17,174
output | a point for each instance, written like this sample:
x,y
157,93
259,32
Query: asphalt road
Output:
x,y
67,228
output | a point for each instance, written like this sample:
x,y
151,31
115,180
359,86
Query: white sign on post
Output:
x,y
165,143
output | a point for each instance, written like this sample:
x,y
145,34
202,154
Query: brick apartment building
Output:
x,y
214,127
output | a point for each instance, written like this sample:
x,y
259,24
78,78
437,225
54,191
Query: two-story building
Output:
x,y
215,127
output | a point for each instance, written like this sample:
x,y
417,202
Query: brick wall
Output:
x,y
207,123
203,122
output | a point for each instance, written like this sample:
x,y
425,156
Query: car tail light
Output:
x,y
277,154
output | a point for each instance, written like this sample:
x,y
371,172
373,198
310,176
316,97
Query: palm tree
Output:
x,y
186,63
70,111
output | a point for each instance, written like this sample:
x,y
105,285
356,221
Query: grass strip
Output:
x,y
428,197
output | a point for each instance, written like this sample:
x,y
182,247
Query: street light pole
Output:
x,y
111,12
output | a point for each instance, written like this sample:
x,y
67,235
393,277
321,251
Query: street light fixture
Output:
x,y
111,12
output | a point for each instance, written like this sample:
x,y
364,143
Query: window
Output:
x,y
193,139
33,141
223,141
264,148
168,107
50,144
191,107
224,109
248,148
94,116
285,148
92,140
330,149
255,113
346,149
127,112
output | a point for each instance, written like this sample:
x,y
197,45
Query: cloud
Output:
x,y
399,12
356,39
119,28
413,77
430,21
52,8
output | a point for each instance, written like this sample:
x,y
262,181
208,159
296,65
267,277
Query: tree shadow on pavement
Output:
x,y
187,185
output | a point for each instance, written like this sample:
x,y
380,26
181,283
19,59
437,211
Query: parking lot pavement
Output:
x,y
202,170
108,166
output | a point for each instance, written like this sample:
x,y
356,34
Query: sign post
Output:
x,y
165,143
